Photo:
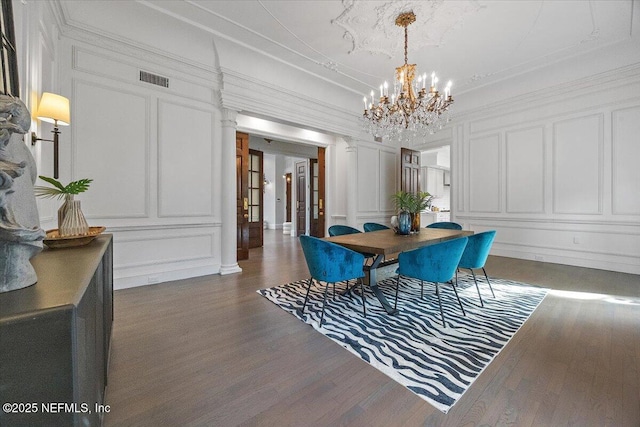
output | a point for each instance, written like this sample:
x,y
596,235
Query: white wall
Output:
x,y
557,177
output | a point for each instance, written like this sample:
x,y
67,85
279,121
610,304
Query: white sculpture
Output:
x,y
20,233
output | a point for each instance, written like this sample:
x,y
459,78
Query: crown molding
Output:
x,y
81,32
592,84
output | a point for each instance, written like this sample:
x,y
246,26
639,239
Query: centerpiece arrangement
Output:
x,y
73,229
409,206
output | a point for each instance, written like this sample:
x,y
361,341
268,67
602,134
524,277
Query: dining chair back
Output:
x,y
373,226
446,225
475,256
435,263
331,263
339,230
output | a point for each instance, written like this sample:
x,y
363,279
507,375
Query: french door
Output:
x,y
242,194
256,195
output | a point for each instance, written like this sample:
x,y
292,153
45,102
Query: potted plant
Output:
x,y
413,204
71,220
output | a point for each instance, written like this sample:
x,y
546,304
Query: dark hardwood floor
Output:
x,y
210,351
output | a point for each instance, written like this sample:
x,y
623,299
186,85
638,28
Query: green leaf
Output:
x,y
53,182
48,192
79,186
60,190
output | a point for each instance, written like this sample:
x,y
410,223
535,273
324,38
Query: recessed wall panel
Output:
x,y
388,176
525,171
110,146
184,161
626,162
577,165
368,176
484,174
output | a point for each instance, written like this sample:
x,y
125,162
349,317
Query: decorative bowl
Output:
x,y
54,240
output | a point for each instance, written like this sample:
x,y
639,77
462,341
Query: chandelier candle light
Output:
x,y
412,110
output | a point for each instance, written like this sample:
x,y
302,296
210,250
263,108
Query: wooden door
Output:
x,y
301,198
316,222
287,202
242,191
410,170
256,199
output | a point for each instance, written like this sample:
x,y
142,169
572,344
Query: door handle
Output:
x,y
320,204
245,203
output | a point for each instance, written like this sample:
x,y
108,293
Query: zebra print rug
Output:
x,y
412,347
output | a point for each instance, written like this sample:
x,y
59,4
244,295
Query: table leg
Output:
x,y
373,284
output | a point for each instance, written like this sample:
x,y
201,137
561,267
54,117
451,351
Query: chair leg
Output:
x,y
324,301
477,287
364,304
306,297
440,303
395,304
487,277
454,286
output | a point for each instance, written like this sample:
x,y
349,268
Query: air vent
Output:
x,y
154,79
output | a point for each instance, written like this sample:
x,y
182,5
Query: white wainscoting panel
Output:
x,y
626,161
368,176
184,160
485,174
577,165
388,177
153,255
525,170
111,146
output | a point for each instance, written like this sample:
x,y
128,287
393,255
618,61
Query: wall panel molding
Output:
x,y
185,160
625,153
525,170
106,104
485,174
578,149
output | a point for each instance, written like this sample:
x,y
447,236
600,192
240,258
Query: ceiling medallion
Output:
x,y
411,110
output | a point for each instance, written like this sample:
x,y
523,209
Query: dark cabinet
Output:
x,y
55,338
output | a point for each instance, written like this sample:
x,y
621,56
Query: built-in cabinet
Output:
x,y
55,338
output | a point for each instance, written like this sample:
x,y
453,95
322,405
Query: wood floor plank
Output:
x,y
210,351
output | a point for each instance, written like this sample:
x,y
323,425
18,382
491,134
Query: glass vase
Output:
x,y
415,222
404,222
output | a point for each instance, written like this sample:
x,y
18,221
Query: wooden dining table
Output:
x,y
385,244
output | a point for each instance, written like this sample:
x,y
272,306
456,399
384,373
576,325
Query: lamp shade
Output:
x,y
54,107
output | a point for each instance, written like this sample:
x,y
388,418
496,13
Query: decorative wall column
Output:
x,y
352,181
229,244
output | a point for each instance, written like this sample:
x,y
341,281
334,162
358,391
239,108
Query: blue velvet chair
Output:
x,y
331,263
475,256
445,224
434,263
373,226
339,230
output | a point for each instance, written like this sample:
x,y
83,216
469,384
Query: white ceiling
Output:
x,y
356,43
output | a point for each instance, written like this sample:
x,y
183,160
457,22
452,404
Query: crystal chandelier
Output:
x,y
411,110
